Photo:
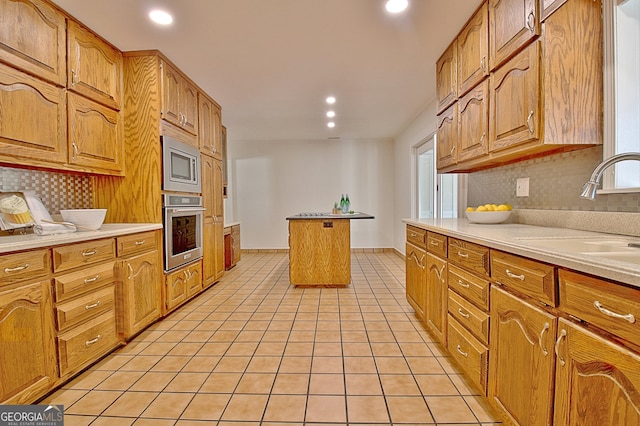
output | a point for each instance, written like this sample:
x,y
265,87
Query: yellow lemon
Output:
x,y
509,206
481,209
488,207
502,208
471,209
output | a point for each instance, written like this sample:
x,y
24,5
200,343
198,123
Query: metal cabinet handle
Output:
x,y
453,150
92,341
463,284
75,151
512,275
483,64
627,317
434,243
75,77
530,122
562,335
531,20
139,243
545,327
464,354
130,270
463,255
90,280
464,314
16,269
89,253
483,138
413,235
94,305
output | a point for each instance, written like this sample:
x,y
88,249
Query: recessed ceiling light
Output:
x,y
331,124
331,114
160,17
331,100
396,6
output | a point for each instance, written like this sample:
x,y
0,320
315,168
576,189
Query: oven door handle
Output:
x,y
185,210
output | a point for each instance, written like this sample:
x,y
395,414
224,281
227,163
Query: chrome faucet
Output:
x,y
589,188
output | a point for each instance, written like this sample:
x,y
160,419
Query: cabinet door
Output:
x,y
171,82
33,38
473,50
194,279
94,68
521,359
416,278
447,137
597,381
473,131
513,24
209,123
189,107
139,292
446,79
27,353
175,289
33,122
436,297
514,106
547,7
95,136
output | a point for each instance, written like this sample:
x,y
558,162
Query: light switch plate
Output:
x,y
522,187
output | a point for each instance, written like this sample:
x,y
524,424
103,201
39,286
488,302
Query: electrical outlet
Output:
x,y
522,187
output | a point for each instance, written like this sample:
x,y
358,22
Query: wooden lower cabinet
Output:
x,y
181,284
416,278
436,297
471,355
597,381
522,360
28,364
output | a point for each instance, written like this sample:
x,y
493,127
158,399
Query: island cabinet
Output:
x,y
139,282
415,267
28,361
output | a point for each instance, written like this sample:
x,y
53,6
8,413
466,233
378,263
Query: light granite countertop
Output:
x,y
517,239
11,243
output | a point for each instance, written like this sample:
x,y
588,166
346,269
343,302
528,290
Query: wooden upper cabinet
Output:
x,y
513,24
547,7
33,38
95,136
179,99
33,119
447,137
446,80
473,51
514,114
94,67
473,123
210,126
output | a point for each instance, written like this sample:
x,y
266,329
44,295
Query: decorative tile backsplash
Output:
x,y
555,182
56,190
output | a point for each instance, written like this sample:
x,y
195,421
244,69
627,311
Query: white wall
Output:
x,y
269,181
420,128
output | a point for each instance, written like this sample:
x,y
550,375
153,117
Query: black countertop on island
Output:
x,y
325,216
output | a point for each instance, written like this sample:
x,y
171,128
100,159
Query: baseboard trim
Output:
x,y
354,250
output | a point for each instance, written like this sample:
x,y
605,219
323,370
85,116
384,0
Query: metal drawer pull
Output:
x,y
512,275
562,334
16,269
89,253
464,354
545,327
90,280
628,317
529,122
434,243
530,21
461,312
463,255
92,341
463,284
139,243
95,305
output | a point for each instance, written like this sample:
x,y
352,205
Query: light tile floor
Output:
x,y
254,350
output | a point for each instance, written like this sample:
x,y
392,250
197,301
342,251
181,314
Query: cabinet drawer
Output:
x,y
469,256
73,312
417,236
610,306
470,354
27,265
85,280
137,243
471,287
535,279
74,255
476,321
82,345
437,244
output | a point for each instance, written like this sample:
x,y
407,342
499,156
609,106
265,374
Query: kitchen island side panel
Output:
x,y
320,252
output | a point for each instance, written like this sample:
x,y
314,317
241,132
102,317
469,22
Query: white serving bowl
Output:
x,y
84,219
488,217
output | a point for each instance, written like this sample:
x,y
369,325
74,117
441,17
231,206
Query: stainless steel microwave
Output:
x,y
180,166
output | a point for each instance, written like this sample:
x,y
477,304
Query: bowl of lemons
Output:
x,y
489,213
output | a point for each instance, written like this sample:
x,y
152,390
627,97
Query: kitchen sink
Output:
x,y
617,249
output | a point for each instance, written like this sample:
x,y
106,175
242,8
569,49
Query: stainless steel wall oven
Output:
x,y
183,217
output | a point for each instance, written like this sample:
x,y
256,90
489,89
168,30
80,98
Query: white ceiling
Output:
x,y
271,63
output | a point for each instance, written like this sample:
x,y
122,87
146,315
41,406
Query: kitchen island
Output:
x,y
320,249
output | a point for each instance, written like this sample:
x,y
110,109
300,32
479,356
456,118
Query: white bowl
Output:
x,y
488,217
84,219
